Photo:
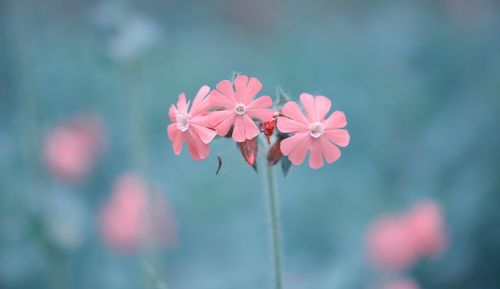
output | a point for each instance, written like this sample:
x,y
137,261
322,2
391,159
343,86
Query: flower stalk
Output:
x,y
272,198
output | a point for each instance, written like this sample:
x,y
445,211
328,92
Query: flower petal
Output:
x,y
199,103
261,102
289,144
205,134
172,112
216,117
339,137
241,83
316,156
218,99
263,114
298,155
330,151
239,130
177,138
335,120
227,89
289,125
251,129
293,111
182,105
309,106
197,148
223,128
254,86
323,105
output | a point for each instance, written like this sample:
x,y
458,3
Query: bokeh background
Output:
x,y
419,82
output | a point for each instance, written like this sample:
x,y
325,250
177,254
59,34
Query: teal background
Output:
x,y
418,81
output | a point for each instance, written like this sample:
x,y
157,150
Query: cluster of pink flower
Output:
x,y
231,110
396,242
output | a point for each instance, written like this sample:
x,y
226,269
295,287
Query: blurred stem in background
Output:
x,y
272,198
134,89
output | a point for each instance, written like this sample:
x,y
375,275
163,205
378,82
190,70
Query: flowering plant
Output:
x,y
232,110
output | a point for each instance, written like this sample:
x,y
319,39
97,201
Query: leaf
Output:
x,y
285,165
248,150
274,155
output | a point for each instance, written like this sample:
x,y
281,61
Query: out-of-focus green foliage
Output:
x,y
418,81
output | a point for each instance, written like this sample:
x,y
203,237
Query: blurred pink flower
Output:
x,y
312,132
238,107
390,243
191,126
402,284
72,148
133,217
425,221
396,242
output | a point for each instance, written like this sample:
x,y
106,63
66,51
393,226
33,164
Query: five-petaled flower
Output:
x,y
312,132
191,126
236,106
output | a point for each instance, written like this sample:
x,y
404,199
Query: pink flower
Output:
x,y
191,126
425,221
72,148
312,132
391,244
402,284
237,107
133,217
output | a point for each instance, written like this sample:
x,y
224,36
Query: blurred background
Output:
x,y
92,196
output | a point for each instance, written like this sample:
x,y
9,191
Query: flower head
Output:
x,y
390,243
238,106
425,220
135,216
73,147
191,126
312,131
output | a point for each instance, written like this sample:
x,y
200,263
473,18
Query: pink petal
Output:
x,y
335,120
227,89
309,106
221,100
293,111
197,148
241,83
254,86
298,155
222,128
239,130
182,105
205,134
177,138
289,144
316,156
339,137
330,151
171,112
289,125
199,103
216,117
261,113
251,129
323,105
261,102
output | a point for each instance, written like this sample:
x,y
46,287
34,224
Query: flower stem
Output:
x,y
274,225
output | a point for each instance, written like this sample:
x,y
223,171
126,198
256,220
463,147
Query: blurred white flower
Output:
x,y
134,37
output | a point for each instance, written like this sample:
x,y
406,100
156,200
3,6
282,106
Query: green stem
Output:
x,y
274,225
